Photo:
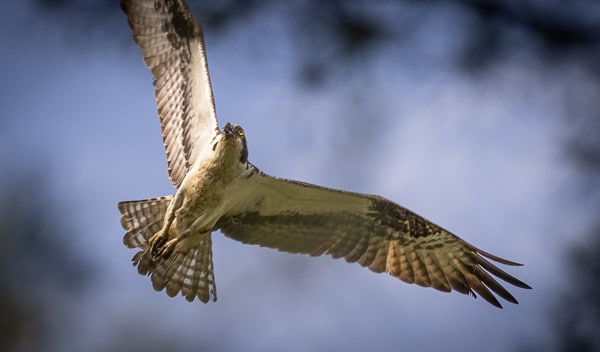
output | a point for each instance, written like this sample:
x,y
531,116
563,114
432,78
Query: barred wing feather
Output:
x,y
172,44
298,217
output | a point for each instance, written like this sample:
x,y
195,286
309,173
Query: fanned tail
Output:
x,y
142,219
187,269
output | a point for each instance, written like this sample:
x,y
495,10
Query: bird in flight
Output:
x,y
218,189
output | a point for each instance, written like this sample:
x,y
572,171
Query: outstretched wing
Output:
x,y
173,47
298,217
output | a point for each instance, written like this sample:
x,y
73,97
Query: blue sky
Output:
x,y
479,155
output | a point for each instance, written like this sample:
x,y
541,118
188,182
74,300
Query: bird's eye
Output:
x,y
240,132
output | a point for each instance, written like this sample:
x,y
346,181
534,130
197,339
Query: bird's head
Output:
x,y
235,134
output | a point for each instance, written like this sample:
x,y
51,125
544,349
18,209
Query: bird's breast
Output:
x,y
203,192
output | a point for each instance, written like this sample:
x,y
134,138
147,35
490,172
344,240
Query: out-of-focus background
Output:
x,y
481,115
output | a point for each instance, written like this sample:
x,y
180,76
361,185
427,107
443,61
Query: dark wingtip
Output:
x,y
496,258
525,286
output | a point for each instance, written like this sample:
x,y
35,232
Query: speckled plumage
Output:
x,y
218,189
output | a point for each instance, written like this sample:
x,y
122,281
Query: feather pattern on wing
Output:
x,y
172,44
247,205
297,217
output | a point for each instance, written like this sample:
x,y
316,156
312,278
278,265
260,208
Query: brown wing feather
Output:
x,y
376,233
172,43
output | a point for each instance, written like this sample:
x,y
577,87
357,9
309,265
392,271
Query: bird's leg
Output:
x,y
163,247
158,241
166,249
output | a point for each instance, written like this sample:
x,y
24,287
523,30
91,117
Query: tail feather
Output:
x,y
142,219
188,269
190,272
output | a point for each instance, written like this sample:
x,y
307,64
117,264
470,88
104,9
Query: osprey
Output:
x,y
219,189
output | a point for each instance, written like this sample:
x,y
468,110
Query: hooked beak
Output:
x,y
228,130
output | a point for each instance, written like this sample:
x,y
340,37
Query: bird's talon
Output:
x,y
157,246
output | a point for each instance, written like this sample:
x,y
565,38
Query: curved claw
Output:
x,y
157,245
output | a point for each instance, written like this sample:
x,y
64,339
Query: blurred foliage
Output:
x,y
44,276
573,319
329,34
40,271
576,317
346,31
